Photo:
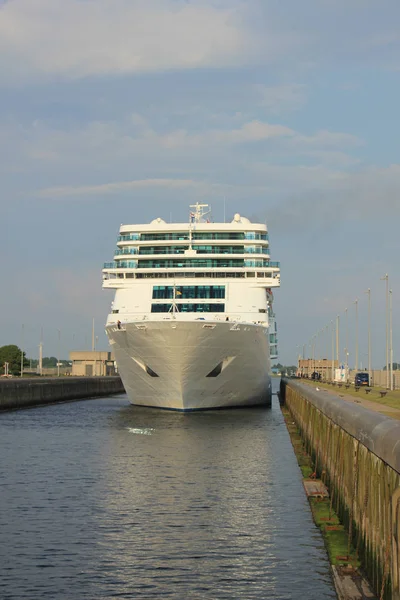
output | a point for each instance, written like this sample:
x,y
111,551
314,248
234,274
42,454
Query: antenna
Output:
x,y
198,213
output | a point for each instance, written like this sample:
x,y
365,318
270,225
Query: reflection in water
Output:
x,y
120,501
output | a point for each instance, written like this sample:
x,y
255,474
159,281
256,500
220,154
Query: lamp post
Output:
x,y
369,335
337,340
347,342
310,361
58,352
356,356
386,278
333,352
327,351
22,350
313,354
391,339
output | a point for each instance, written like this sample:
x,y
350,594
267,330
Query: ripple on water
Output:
x,y
102,500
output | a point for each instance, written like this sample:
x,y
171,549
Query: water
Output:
x,y
99,499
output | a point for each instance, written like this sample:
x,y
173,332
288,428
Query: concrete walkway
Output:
x,y
362,400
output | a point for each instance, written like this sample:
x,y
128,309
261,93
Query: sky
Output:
x,y
120,111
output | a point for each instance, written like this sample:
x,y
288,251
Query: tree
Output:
x,y
396,367
12,355
49,361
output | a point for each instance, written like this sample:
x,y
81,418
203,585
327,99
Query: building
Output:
x,y
322,366
92,363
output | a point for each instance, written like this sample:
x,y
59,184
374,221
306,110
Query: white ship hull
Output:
x,y
193,365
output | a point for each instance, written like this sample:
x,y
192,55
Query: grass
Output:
x,y
392,399
335,537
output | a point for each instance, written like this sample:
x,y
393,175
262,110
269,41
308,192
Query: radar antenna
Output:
x,y
199,212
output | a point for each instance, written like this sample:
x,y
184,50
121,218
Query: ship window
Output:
x,y
165,308
181,292
115,312
195,262
189,274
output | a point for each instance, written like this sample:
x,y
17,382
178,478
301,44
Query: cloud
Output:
x,y
252,131
328,139
114,157
280,99
134,143
114,187
75,39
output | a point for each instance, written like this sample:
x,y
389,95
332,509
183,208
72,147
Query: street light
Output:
x,y
386,278
327,351
22,351
333,352
391,339
347,343
369,335
58,352
356,357
337,340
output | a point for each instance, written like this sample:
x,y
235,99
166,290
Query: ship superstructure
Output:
x,y
192,325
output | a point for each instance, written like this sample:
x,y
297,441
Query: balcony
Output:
x,y
128,237
120,251
123,264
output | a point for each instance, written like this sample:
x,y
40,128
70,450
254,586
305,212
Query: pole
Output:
x,y
327,351
58,352
337,341
93,335
391,338
387,330
369,335
356,357
41,352
22,350
333,352
347,343
313,352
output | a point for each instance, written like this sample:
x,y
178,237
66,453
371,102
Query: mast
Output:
x,y
199,212
174,307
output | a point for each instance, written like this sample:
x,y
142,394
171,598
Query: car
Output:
x,y
361,378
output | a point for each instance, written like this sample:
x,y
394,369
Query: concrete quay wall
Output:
x,y
357,453
20,393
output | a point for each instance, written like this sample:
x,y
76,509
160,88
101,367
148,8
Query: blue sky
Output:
x,y
118,111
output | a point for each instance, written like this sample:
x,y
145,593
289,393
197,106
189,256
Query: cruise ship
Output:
x,y
192,325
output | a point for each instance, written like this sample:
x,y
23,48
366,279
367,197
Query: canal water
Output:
x,y
99,499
